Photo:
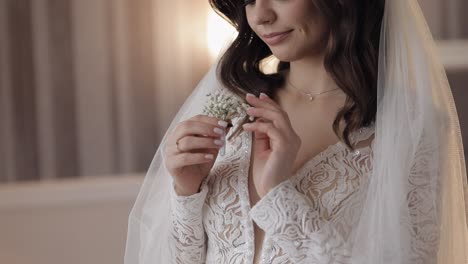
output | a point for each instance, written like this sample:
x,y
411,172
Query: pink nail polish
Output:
x,y
222,123
250,95
218,131
262,95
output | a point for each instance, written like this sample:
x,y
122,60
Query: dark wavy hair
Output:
x,y
351,57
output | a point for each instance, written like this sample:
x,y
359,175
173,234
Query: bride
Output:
x,y
354,154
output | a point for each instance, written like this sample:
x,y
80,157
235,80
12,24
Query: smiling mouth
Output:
x,y
276,37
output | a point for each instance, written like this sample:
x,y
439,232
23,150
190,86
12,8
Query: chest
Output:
x,y
226,218
316,134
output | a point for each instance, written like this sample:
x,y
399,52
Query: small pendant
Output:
x,y
311,98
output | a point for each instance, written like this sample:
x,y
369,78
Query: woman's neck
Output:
x,y
309,75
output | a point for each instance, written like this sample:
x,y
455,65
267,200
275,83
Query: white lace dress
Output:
x,y
306,219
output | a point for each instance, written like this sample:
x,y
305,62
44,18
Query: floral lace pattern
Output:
x,y
189,236
306,219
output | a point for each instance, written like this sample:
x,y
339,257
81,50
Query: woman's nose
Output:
x,y
262,13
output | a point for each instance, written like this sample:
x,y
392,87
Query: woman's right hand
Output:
x,y
191,151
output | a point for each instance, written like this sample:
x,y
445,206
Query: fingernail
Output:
x,y
250,95
262,95
218,142
222,123
209,156
218,130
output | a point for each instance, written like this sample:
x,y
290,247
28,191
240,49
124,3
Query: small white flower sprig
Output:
x,y
227,107
224,106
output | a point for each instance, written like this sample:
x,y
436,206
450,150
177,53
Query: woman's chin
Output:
x,y
288,54
284,55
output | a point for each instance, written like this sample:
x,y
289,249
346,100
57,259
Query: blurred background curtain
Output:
x,y
446,18
88,87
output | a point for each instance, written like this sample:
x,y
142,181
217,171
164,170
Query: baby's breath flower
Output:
x,y
224,106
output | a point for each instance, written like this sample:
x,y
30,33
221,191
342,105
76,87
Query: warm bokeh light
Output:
x,y
269,65
219,34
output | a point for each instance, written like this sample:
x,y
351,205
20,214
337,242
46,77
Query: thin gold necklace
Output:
x,y
311,95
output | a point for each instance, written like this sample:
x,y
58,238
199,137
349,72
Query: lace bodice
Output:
x,y
306,219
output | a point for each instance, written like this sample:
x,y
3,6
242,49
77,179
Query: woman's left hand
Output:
x,y
276,143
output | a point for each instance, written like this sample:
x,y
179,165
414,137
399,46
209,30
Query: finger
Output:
x,y
277,118
267,128
255,101
204,119
197,128
191,143
187,159
210,120
266,98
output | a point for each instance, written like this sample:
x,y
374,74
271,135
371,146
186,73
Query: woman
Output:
x,y
354,157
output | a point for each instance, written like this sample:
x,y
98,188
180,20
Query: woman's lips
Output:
x,y
276,37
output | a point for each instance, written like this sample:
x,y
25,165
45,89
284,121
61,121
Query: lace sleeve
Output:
x,y
286,216
188,236
424,220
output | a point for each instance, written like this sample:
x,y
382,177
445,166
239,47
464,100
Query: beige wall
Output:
x,y
68,221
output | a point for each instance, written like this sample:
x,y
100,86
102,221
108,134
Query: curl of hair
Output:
x,y
351,57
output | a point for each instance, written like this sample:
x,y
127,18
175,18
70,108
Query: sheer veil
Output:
x,y
417,141
149,223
